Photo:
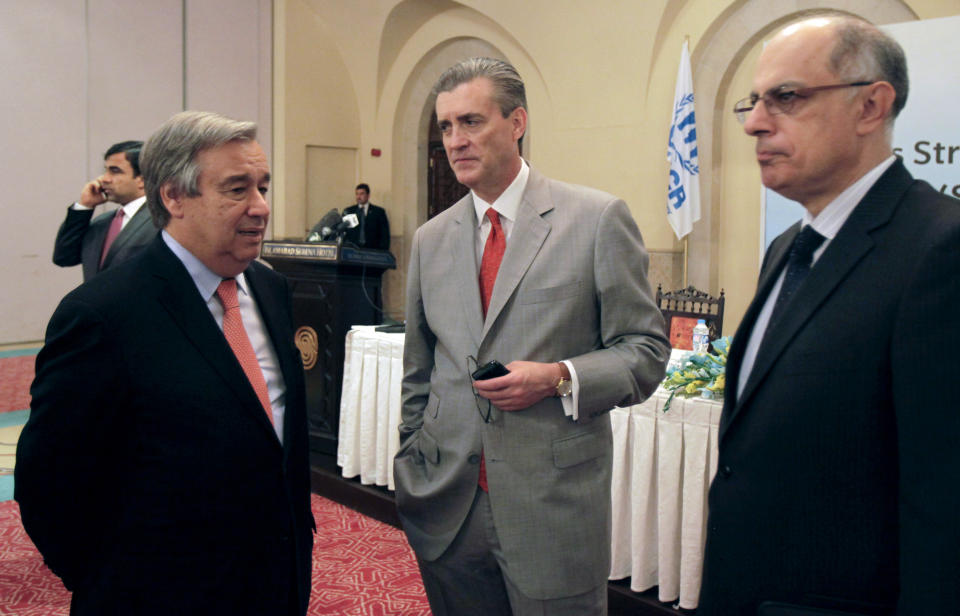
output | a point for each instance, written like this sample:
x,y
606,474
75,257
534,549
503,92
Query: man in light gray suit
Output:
x,y
503,485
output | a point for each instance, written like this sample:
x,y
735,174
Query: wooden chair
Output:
x,y
681,310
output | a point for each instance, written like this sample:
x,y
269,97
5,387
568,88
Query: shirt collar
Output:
x,y
133,207
205,279
508,203
831,218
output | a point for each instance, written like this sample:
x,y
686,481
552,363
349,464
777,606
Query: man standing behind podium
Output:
x,y
163,469
838,444
373,230
113,237
505,495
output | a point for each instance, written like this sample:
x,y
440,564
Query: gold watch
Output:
x,y
565,385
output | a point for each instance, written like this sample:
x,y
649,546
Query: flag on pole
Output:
x,y
683,188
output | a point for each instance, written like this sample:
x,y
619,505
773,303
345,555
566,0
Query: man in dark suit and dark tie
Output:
x,y
503,484
838,443
113,237
373,229
163,469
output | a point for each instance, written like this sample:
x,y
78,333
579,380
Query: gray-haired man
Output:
x,y
163,469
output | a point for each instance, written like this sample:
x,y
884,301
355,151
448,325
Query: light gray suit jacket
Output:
x,y
572,286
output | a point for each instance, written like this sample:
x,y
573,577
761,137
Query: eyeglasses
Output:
x,y
471,367
783,99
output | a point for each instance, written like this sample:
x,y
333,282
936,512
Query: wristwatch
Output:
x,y
565,385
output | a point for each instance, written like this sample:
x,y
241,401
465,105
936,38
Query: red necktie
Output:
x,y
489,266
237,337
115,226
492,256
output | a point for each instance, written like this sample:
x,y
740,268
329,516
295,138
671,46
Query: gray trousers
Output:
x,y
468,579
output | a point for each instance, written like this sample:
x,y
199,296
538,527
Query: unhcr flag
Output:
x,y
683,189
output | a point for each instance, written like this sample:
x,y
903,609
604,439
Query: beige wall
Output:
x,y
600,78
85,74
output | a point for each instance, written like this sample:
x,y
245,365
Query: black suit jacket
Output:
x,y
148,474
80,239
375,228
838,464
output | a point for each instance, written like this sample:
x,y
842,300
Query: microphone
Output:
x,y
347,222
351,221
325,226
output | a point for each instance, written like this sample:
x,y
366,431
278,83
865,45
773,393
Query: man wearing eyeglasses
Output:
x,y
839,442
508,508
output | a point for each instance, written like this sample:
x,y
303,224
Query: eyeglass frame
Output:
x,y
486,417
743,107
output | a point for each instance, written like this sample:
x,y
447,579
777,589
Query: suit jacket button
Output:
x,y
726,471
473,459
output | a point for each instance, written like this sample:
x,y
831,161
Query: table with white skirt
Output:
x,y
662,465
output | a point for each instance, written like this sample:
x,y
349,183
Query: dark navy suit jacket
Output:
x,y
80,239
148,474
838,463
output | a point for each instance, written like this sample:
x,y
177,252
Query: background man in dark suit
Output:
x,y
373,230
505,497
164,469
112,237
838,460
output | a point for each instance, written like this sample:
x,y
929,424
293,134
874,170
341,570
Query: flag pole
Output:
x,y
683,188
686,238
685,255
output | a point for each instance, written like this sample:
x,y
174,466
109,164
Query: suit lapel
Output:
x,y
851,244
464,258
93,247
179,297
530,230
278,324
131,232
773,264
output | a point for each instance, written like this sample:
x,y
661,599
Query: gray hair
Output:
x,y
864,52
170,154
508,90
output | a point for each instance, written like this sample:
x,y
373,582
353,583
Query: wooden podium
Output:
x,y
335,286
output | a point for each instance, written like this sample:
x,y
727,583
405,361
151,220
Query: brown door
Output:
x,y
443,189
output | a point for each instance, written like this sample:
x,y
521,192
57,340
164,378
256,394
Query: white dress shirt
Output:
x,y
207,283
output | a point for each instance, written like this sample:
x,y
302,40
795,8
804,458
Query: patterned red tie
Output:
x,y
489,266
237,337
115,226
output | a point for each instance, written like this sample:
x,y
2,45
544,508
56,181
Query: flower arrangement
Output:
x,y
702,374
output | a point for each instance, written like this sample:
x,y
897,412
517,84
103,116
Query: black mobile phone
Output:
x,y
489,370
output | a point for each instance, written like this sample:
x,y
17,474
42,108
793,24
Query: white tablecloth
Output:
x,y
370,405
662,465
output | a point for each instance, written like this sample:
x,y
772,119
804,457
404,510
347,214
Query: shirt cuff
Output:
x,y
571,404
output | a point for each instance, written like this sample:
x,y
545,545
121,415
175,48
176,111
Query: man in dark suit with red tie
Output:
x,y
838,443
164,467
113,237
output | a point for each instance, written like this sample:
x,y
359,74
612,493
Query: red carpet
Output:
x,y
360,567
16,373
